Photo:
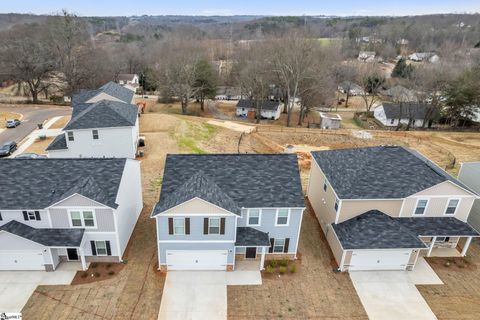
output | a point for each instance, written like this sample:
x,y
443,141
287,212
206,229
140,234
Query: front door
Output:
x,y
72,254
251,253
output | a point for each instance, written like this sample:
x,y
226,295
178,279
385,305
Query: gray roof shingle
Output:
x,y
40,183
438,226
117,91
416,111
84,95
266,105
103,114
249,180
384,172
375,230
59,143
247,237
46,236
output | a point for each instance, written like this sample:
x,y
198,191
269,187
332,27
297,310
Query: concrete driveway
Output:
x,y
201,294
16,287
393,294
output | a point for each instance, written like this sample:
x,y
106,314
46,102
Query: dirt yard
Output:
x,y
39,146
459,297
60,123
313,292
4,116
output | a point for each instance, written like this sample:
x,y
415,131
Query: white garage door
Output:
x,y
379,259
197,259
21,260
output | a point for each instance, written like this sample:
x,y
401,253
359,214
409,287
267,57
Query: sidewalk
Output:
x,y
30,139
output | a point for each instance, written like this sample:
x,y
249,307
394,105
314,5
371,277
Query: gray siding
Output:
x,y
281,232
470,175
163,247
105,223
196,229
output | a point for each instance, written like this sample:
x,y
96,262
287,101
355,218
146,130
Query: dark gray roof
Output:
x,y
59,143
438,226
415,111
250,180
40,183
384,172
111,88
46,236
198,185
247,236
117,91
375,230
266,105
104,114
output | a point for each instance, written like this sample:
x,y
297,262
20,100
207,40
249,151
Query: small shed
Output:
x,y
330,120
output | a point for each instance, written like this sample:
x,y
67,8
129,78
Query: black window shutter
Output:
x,y
94,249
272,241
285,247
187,225
37,215
109,249
25,215
222,225
1,216
170,225
205,225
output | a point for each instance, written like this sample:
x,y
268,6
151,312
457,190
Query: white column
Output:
x,y
431,246
262,259
465,247
82,259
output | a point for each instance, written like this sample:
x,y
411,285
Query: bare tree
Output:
x,y
26,56
371,80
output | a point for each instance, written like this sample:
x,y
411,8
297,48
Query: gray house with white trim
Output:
x,y
60,210
382,207
215,210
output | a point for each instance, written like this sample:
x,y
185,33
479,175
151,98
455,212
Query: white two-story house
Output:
x,y
101,129
383,207
60,210
216,210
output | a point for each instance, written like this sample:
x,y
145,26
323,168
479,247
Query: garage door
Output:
x,y
21,260
379,260
197,259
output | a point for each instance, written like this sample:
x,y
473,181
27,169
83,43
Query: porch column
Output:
x,y
262,259
82,259
465,247
431,246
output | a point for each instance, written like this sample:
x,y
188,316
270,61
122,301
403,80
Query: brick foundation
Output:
x,y
163,268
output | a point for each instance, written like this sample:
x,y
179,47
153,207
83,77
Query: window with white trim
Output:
x,y
392,121
178,226
31,215
70,136
214,226
421,206
101,248
82,219
452,206
282,217
95,134
278,245
253,217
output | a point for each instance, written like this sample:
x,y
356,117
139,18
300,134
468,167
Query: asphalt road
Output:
x,y
32,115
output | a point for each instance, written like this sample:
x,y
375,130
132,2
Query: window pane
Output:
x,y
76,219
253,216
421,205
101,247
179,226
214,222
452,206
282,217
278,245
87,215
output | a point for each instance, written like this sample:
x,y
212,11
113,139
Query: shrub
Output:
x,y
282,270
108,266
93,265
273,263
96,274
84,275
269,269
293,268
111,273
283,262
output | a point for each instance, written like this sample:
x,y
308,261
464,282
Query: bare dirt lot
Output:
x,y
39,146
459,297
60,123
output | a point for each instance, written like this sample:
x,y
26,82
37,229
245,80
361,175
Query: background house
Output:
x,y
424,57
366,56
228,93
351,88
269,109
61,210
129,81
390,114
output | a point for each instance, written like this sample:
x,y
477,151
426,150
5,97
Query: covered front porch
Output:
x,y
251,247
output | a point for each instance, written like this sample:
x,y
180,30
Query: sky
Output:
x,y
240,7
